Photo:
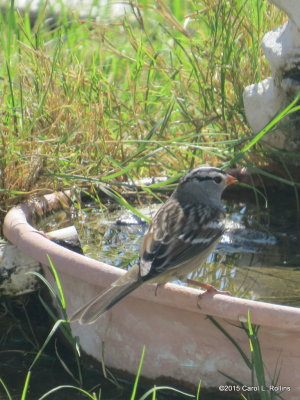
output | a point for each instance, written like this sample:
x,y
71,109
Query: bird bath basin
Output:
x,y
183,345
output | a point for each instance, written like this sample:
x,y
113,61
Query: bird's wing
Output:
x,y
177,235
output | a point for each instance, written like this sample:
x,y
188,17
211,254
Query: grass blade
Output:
x,y
5,389
139,371
236,345
62,299
26,385
48,338
155,389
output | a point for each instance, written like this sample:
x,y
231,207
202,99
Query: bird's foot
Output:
x,y
209,289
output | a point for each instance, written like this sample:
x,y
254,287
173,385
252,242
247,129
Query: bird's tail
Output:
x,y
91,311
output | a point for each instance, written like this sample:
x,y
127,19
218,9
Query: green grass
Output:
x,y
255,364
136,96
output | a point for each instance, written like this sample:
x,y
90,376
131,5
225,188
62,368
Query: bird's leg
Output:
x,y
209,289
157,286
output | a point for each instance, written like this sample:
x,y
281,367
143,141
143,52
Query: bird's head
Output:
x,y
204,184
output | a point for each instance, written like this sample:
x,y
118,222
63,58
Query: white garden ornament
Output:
x,y
267,98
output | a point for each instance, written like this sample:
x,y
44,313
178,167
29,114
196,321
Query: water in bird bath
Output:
x,y
258,257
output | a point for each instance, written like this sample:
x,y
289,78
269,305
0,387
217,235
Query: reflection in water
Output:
x,y
257,258
259,255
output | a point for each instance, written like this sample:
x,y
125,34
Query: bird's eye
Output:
x,y
217,179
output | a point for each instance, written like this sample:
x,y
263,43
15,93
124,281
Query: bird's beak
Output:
x,y
230,179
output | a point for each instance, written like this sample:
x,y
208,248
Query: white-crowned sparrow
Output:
x,y
183,232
